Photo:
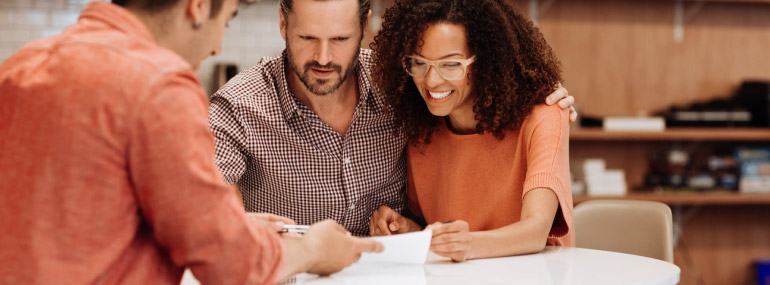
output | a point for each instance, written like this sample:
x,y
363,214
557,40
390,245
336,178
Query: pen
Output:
x,y
300,229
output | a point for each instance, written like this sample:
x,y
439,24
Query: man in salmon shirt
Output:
x,y
107,169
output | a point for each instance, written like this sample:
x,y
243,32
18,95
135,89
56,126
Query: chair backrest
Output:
x,y
635,227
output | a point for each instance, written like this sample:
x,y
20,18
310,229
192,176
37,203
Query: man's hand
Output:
x,y
270,221
565,101
385,221
332,248
451,240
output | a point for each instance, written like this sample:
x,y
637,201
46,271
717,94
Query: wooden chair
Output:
x,y
635,227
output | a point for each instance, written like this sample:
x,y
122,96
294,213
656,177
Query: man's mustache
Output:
x,y
315,64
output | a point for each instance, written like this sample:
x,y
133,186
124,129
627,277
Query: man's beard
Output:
x,y
317,86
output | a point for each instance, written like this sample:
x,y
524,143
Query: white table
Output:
x,y
554,265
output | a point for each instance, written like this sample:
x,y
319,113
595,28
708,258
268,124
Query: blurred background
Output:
x,y
673,99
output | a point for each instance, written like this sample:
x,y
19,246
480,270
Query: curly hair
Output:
x,y
515,69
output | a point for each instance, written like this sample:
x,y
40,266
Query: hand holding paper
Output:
x,y
451,239
330,248
385,221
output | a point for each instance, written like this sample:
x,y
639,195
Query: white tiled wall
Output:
x,y
25,20
254,33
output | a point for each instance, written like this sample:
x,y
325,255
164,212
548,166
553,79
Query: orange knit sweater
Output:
x,y
482,180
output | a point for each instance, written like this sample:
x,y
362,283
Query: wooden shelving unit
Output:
x,y
672,134
714,198
706,219
733,1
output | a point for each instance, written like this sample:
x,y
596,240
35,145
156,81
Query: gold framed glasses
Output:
x,y
449,69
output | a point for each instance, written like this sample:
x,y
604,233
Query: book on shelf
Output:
x,y
634,124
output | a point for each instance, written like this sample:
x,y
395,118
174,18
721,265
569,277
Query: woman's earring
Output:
x,y
196,26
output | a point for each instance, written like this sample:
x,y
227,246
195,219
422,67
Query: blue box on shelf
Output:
x,y
763,272
755,169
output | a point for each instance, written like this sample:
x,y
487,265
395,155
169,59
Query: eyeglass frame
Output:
x,y
434,64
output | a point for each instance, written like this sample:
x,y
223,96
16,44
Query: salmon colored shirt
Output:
x,y
107,171
482,180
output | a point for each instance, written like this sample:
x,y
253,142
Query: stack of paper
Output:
x,y
603,182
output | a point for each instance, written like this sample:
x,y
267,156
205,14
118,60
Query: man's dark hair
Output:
x,y
160,5
363,9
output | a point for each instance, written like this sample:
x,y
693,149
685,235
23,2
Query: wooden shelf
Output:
x,y
735,1
688,198
673,134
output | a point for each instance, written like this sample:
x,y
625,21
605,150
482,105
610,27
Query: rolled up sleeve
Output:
x,y
548,161
229,138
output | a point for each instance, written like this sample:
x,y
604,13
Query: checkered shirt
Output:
x,y
288,162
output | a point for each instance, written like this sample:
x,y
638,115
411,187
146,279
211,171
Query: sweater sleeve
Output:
x,y
194,215
546,133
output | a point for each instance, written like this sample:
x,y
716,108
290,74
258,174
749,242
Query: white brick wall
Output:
x,y
24,20
253,34
50,4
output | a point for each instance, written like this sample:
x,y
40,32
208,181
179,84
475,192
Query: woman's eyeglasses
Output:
x,y
449,69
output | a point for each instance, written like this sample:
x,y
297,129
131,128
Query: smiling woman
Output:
x,y
466,81
514,68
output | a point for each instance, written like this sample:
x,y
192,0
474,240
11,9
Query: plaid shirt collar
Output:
x,y
290,104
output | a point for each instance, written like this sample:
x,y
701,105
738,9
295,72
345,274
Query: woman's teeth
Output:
x,y
439,95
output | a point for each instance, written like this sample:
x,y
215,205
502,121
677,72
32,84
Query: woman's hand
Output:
x,y
451,240
385,221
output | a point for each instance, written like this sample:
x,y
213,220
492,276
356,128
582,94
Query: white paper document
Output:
x,y
410,248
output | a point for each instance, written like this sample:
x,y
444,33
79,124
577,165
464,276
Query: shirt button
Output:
x,y
352,206
346,160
